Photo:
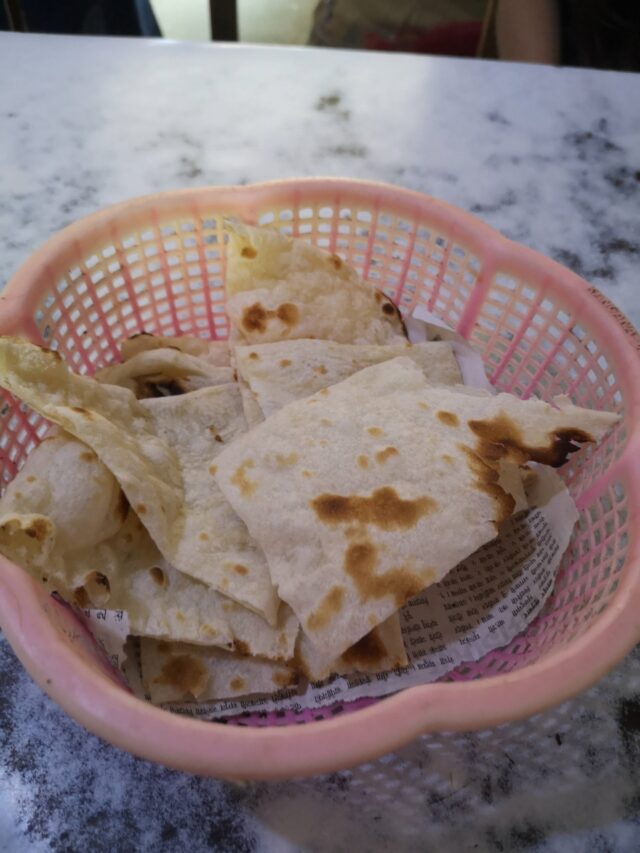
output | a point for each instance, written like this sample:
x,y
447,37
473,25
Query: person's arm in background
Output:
x,y
528,31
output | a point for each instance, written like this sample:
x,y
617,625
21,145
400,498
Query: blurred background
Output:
x,y
588,33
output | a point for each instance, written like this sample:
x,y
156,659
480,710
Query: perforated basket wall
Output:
x,y
158,265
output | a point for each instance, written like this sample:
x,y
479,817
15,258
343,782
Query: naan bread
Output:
x,y
384,483
279,287
214,352
163,484
279,373
176,672
164,372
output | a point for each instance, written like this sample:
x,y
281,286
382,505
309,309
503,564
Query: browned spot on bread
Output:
x,y
285,362
372,620
283,678
241,647
239,569
246,486
217,437
254,318
379,296
389,309
486,480
140,509
158,576
254,356
31,478
185,673
330,605
336,261
203,537
288,313
39,529
209,631
448,418
98,588
386,453
19,495
320,369
88,456
500,437
283,461
323,392
367,654
363,461
423,405
213,469
326,422
180,616
248,252
123,505
448,459
228,606
360,561
224,584
80,597
237,683
384,508
307,473
374,431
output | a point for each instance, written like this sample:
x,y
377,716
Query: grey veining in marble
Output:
x,y
550,157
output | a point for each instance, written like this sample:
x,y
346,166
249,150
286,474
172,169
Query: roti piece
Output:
x,y
64,520
384,484
111,422
380,650
279,288
164,372
43,517
279,373
191,529
214,352
61,479
214,544
177,672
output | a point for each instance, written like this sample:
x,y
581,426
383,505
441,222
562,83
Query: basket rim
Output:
x,y
215,749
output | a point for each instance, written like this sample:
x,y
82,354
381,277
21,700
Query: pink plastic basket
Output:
x,y
157,264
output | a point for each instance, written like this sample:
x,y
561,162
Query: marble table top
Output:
x,y
551,157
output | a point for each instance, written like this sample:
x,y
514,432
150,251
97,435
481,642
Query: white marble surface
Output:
x,y
550,157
